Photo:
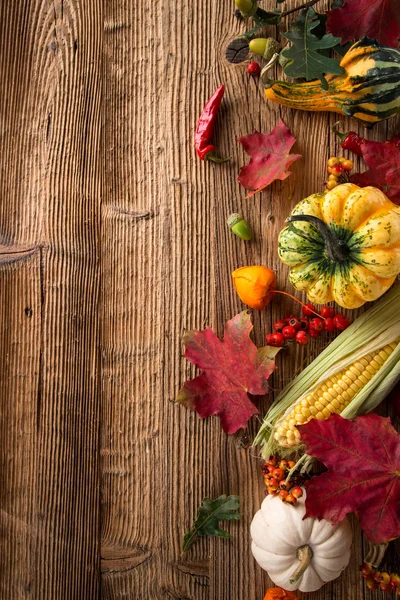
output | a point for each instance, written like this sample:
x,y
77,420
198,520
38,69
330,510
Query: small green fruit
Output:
x,y
240,227
258,46
265,47
247,7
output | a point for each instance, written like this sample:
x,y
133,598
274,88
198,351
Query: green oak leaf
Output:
x,y
306,54
209,514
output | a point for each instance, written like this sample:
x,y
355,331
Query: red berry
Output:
x,y
278,474
304,324
287,319
283,494
289,332
313,333
291,499
308,310
366,570
394,580
297,492
275,339
291,464
341,321
273,484
385,587
254,69
295,322
371,583
302,338
279,325
316,325
283,465
329,324
286,486
327,312
347,165
384,578
337,169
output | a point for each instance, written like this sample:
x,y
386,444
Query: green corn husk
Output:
x,y
374,329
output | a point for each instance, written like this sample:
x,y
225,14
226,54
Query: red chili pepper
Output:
x,y
353,142
205,126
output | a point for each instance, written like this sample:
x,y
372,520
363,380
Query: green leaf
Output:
x,y
210,513
263,17
306,59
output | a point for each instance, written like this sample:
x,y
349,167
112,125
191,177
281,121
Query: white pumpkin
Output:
x,y
298,554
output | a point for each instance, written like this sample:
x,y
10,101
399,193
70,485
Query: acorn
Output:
x,y
265,47
247,7
239,226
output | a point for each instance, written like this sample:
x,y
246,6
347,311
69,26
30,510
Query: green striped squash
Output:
x,y
368,91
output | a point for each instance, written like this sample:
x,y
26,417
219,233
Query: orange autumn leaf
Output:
x,y
278,593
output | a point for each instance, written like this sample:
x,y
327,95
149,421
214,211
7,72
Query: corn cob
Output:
x,y
350,377
332,396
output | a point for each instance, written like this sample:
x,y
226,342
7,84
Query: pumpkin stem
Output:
x,y
336,250
375,554
304,555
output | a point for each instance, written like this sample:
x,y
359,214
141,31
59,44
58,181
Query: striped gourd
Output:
x,y
350,377
368,91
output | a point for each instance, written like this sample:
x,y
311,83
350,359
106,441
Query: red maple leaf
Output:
x,y
379,19
383,160
270,157
363,458
232,368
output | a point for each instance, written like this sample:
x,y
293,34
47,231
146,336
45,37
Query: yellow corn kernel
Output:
x,y
333,395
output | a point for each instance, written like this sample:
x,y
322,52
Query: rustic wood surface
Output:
x,y
113,241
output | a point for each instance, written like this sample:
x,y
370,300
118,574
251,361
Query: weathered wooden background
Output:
x,y
112,242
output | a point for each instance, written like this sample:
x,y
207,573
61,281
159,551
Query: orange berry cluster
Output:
x,y
375,579
337,169
274,472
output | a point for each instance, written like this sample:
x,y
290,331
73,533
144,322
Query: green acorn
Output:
x,y
239,226
247,7
265,47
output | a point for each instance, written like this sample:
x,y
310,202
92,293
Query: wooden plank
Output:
x,y
113,241
51,190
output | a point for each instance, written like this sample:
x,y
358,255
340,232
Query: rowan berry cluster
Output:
x,y
311,325
275,473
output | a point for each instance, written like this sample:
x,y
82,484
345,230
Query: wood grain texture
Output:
x,y
49,218
113,242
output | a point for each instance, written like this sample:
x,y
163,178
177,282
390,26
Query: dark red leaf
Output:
x,y
363,460
232,368
379,19
383,160
270,157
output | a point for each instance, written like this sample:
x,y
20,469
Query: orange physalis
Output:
x,y
255,285
278,593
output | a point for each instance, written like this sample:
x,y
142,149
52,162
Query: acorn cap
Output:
x,y
271,48
234,219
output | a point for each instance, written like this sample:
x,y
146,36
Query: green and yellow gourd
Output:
x,y
343,245
368,91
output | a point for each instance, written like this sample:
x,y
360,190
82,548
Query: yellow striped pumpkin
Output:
x,y
343,245
368,91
